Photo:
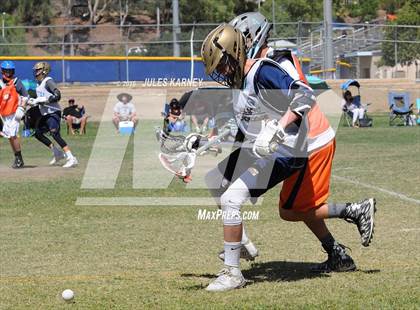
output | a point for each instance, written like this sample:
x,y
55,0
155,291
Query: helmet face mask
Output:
x,y
7,74
7,70
225,71
41,70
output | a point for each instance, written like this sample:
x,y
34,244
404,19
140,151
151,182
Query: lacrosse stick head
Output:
x,y
169,144
179,164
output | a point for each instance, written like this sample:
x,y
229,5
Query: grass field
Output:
x,y
128,257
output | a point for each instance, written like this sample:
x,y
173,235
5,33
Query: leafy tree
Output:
x,y
96,10
391,6
33,12
365,10
206,11
244,6
12,36
407,52
293,10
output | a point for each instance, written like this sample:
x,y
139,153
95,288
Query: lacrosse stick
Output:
x,y
181,163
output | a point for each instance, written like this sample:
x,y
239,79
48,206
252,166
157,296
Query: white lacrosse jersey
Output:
x,y
251,108
42,91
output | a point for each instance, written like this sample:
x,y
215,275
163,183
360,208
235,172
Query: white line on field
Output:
x,y
149,201
410,229
344,168
386,191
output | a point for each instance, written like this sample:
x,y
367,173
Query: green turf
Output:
x,y
162,257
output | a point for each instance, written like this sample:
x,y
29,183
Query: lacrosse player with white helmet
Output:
x,y
48,97
290,140
256,29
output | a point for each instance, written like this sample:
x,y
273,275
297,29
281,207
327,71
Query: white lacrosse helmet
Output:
x,y
255,28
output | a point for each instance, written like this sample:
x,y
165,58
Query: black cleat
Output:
x,y
362,214
18,163
338,261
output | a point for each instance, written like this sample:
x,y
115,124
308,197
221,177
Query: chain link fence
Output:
x,y
307,39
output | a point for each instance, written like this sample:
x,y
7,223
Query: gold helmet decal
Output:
x,y
41,70
223,54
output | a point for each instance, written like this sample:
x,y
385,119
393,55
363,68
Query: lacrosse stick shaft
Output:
x,y
212,142
51,107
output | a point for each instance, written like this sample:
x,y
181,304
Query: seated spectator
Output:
x,y
201,114
353,108
124,110
174,118
75,117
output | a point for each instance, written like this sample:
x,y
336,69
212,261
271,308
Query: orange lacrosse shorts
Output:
x,y
310,190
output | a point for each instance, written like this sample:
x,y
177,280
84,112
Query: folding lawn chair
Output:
x,y
400,109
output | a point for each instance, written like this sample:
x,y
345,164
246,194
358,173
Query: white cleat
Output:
x,y
229,278
56,159
71,162
248,252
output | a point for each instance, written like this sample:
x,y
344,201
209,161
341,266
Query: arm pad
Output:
x,y
303,98
55,97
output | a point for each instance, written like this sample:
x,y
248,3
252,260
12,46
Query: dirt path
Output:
x,y
151,100
39,173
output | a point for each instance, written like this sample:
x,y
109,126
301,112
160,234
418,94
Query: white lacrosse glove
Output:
x,y
35,101
272,132
30,102
192,142
41,100
20,113
24,100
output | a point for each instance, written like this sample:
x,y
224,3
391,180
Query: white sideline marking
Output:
x,y
386,191
344,168
410,229
149,201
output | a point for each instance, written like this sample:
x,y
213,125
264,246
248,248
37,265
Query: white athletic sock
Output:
x,y
244,236
232,253
235,271
69,155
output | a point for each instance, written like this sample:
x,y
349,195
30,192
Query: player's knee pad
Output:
x,y
232,200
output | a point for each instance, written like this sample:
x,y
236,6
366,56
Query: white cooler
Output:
x,y
126,127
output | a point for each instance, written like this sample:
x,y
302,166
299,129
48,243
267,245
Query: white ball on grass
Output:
x,y
67,294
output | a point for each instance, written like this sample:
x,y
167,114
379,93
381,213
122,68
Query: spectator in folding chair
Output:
x,y
201,115
352,107
124,110
75,118
174,118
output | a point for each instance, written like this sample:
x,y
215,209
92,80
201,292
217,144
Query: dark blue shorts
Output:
x,y
261,174
49,122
